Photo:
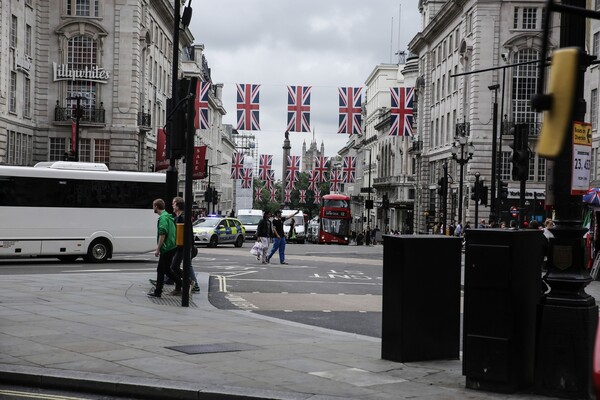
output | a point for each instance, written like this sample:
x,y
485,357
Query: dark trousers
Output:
x,y
164,268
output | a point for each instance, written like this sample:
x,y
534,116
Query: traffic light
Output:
x,y
483,195
215,196
208,195
559,102
503,190
385,202
180,113
520,157
442,186
474,194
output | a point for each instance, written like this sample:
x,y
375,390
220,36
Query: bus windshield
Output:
x,y
337,227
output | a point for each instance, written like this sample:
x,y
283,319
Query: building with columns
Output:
x,y
113,58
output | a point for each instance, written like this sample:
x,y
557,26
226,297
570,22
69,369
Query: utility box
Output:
x,y
502,290
421,298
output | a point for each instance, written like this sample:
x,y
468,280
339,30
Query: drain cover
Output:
x,y
170,301
212,348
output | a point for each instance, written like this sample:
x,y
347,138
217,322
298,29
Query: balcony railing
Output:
x,y
534,127
88,114
144,120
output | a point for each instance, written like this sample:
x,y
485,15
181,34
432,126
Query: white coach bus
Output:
x,y
69,210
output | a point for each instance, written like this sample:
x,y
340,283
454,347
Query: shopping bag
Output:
x,y
257,249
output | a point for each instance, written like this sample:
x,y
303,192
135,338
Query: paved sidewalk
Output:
x,y
100,331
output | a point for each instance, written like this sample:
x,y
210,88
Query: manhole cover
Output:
x,y
212,348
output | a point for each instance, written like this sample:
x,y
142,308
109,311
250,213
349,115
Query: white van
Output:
x,y
299,220
250,220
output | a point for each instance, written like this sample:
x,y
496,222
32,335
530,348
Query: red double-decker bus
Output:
x,y
334,219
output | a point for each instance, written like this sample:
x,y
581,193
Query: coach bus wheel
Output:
x,y
213,241
239,242
98,251
67,259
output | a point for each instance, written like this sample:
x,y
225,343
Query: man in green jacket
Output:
x,y
165,247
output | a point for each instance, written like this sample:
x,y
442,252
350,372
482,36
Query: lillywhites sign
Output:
x,y
62,72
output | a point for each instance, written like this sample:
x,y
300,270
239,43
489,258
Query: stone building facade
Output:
x,y
460,44
112,59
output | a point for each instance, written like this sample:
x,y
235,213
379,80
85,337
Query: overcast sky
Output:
x,y
325,44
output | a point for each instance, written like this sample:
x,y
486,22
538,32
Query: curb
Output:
x,y
136,387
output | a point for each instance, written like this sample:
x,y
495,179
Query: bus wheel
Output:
x,y
67,259
98,251
239,242
213,241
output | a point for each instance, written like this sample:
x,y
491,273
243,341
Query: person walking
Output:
x,y
178,209
165,247
292,232
279,237
263,234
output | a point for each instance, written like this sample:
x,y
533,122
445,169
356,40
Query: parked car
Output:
x,y
212,231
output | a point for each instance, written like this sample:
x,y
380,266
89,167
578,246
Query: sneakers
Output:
x,y
175,292
284,263
154,294
268,260
192,286
196,289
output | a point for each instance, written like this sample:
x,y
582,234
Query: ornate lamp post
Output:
x,y
462,153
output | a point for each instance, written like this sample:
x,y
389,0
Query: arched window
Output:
x,y
524,85
81,54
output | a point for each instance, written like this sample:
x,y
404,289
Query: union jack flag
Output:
x,y
402,111
317,197
247,178
248,107
350,110
312,181
298,109
270,180
288,196
349,169
258,193
266,162
321,168
290,185
293,168
302,197
335,181
201,105
237,165
273,194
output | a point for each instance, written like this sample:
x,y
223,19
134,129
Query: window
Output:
x,y
12,101
469,22
505,166
28,40
19,148
27,97
57,150
96,150
13,32
449,80
83,8
532,157
524,84
541,168
456,77
443,85
82,52
525,18
529,18
593,174
597,5
596,43
594,108
433,92
437,89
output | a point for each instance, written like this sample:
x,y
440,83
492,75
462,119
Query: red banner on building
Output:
x,y
162,162
73,136
199,162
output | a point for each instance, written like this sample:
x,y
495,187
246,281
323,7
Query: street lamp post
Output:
x,y
209,189
462,157
368,238
494,152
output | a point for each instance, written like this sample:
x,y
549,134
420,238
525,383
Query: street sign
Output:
x,y
366,190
